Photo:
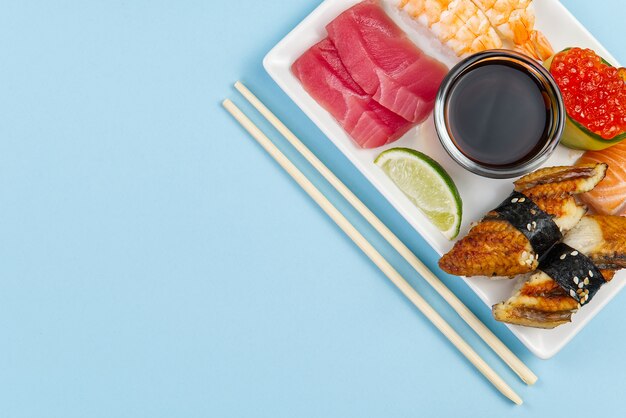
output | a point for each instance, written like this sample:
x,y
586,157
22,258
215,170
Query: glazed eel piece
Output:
x,y
512,238
570,275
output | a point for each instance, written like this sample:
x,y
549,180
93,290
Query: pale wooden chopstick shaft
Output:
x,y
372,253
463,311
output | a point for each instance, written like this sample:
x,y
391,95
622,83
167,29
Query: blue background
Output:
x,y
155,262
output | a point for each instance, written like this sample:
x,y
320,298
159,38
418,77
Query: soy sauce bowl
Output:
x,y
499,114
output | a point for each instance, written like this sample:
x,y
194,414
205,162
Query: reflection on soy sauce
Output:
x,y
498,114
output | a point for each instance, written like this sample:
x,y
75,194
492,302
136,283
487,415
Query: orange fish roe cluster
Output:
x,y
594,92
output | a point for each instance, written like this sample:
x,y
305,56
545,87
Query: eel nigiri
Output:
x,y
609,198
570,275
324,77
384,62
511,239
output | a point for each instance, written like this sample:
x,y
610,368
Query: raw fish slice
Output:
x,y
324,77
609,197
541,302
385,63
494,247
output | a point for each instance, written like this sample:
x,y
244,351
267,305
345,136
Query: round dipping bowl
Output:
x,y
499,114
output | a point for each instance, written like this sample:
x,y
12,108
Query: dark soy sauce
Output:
x,y
497,114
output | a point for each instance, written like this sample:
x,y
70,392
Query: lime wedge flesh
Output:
x,y
427,185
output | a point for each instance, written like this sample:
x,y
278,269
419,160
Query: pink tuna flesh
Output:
x,y
384,62
324,77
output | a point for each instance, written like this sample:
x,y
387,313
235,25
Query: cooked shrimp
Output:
x,y
459,24
514,21
476,23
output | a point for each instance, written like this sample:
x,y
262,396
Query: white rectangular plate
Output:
x,y
479,194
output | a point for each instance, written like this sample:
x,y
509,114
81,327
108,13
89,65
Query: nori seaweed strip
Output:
x,y
573,271
536,225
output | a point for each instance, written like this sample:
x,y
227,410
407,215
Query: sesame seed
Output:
x,y
528,227
534,224
522,199
572,293
574,253
514,200
580,285
576,279
533,212
562,257
586,281
590,273
536,256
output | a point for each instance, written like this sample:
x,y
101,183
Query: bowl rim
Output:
x,y
536,70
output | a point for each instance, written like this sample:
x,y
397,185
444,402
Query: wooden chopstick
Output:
x,y
463,311
372,253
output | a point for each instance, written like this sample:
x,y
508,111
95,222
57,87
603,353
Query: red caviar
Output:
x,y
594,92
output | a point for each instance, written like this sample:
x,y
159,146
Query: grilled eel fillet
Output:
x,y
494,247
540,302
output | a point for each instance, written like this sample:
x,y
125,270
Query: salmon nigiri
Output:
x,y
609,196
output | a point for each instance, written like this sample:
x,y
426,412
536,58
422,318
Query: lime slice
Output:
x,y
427,185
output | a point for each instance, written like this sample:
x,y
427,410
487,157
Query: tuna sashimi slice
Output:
x,y
324,77
384,62
609,196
